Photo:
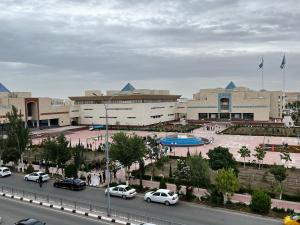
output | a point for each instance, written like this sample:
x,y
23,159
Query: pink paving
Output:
x,y
233,142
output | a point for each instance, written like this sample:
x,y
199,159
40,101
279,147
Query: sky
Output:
x,y
59,48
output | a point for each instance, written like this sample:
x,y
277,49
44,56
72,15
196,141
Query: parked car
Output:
x,y
4,172
292,220
123,191
35,176
29,221
70,183
164,196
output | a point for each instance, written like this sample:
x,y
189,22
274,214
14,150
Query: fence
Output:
x,y
100,210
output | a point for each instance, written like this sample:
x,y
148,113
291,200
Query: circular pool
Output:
x,y
181,140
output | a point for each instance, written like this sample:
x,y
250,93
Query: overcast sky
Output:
x,y
60,48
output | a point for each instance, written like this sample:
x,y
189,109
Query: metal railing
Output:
x,y
86,207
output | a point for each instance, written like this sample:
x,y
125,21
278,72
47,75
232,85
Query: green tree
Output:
x,y
199,169
260,202
63,152
260,155
227,183
18,136
280,174
49,151
10,155
245,153
162,184
152,153
71,171
285,155
127,150
220,158
77,153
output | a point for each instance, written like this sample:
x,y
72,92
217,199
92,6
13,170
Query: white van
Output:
x,y
4,171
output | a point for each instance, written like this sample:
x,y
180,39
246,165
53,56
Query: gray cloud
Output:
x,y
72,45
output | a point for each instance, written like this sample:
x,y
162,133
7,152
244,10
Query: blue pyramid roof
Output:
x,y
231,85
3,88
128,87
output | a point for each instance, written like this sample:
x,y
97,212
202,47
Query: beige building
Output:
x,y
236,103
130,106
37,112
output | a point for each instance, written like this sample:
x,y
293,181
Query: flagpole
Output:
x,y
262,78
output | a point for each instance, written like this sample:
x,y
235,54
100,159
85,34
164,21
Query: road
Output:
x,y
184,213
12,211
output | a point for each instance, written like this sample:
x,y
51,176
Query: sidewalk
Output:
x,y
245,198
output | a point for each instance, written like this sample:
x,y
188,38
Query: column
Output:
x,y
48,122
37,123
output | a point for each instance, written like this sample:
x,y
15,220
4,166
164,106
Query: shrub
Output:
x,y
260,202
82,177
29,169
162,184
216,198
71,171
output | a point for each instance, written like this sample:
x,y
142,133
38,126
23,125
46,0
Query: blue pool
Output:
x,y
181,141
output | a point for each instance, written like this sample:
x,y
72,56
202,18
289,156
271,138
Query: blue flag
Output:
x,y
283,62
261,65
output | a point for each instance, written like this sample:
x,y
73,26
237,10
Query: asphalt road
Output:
x,y
12,211
184,213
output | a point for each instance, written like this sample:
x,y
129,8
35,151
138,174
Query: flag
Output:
x,y
261,65
283,62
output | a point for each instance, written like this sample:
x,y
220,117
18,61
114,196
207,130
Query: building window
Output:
x,y
171,114
119,108
88,117
109,117
131,117
156,116
88,109
158,107
75,110
224,103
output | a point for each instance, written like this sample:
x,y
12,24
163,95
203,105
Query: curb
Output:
x,y
74,211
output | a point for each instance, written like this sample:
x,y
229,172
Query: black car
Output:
x,y
70,183
29,221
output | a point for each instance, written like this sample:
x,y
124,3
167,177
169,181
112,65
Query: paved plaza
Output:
x,y
233,142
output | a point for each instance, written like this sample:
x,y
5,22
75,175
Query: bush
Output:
x,y
29,169
162,184
216,198
71,171
82,177
260,202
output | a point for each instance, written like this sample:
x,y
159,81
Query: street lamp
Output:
x,y
107,155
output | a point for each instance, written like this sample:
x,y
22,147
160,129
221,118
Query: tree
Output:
x,y
10,155
244,152
260,202
63,152
285,155
127,150
220,158
18,136
152,152
260,155
162,184
280,174
227,183
71,171
199,169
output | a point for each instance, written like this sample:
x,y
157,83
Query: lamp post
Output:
x,y
107,160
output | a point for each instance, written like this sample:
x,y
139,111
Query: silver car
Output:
x,y
123,191
35,176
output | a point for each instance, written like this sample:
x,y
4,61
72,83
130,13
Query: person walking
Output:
x,y
104,176
100,178
89,179
40,180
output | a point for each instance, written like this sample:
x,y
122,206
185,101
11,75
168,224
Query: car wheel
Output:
x,y
148,200
37,180
26,178
167,203
55,185
124,196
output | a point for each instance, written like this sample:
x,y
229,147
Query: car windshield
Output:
x,y
171,193
42,174
128,188
77,180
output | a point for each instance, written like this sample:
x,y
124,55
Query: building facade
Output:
x,y
130,106
235,103
35,111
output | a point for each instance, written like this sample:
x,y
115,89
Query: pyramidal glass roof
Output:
x,y
3,88
231,85
128,87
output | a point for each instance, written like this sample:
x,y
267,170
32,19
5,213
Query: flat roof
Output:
x,y
125,97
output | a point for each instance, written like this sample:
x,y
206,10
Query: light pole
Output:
x,y
107,160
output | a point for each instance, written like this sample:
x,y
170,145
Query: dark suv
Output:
x,y
70,183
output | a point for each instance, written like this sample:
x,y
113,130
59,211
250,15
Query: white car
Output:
x,y
35,176
123,191
164,196
4,172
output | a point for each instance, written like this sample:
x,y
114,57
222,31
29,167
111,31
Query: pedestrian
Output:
x,y
40,180
100,177
89,179
104,176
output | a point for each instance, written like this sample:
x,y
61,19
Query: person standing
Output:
x,y
40,180
100,177
89,179
104,176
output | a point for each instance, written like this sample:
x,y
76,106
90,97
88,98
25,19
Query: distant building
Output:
x,y
130,106
236,103
35,111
